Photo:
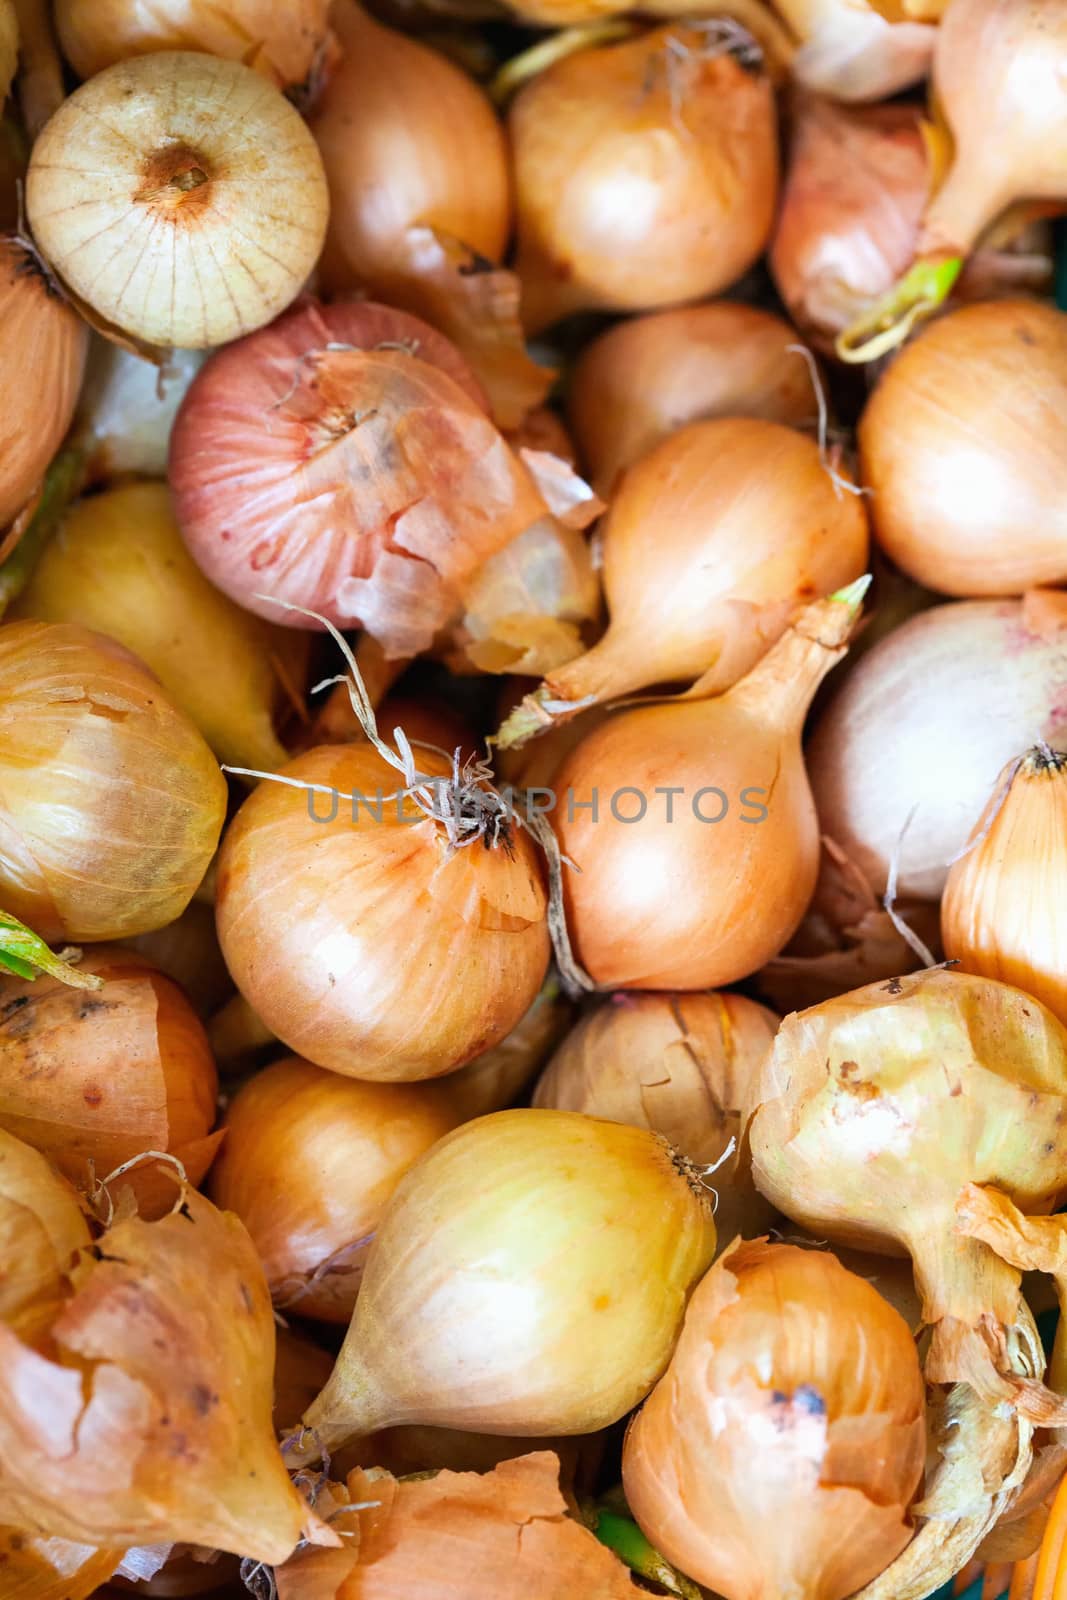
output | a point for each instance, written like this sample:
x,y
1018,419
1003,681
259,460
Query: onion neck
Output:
x,y
613,667
348,1408
959,213
781,687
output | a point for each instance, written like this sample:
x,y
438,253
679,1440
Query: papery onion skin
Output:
x,y
651,375
155,1426
779,1453
849,52
93,1080
646,175
42,1228
516,1230
119,566
45,337
700,886
112,802
677,1064
282,43
926,721
309,1163
380,484
152,188
962,447
1004,912
360,944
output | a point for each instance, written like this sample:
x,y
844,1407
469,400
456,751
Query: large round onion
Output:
x,y
43,337
112,802
962,444
180,196
358,939
646,174
282,42
923,725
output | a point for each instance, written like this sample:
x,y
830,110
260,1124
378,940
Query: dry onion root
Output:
x,y
152,189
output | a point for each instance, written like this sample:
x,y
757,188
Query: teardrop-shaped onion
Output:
x,y
780,1452
1004,910
94,1080
149,1419
646,173
678,1064
850,52
648,376
529,1276
118,565
378,489
923,725
962,446
283,42
692,825
42,336
358,936
309,1164
112,802
713,541
180,196
42,1228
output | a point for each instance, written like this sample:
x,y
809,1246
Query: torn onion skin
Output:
x,y
342,460
364,944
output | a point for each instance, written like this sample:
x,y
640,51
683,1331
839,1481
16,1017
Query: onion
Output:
x,y
309,1164
42,336
187,950
38,1568
495,1079
93,1081
924,724
119,566
9,46
697,885
794,1402
152,190
512,1233
127,407
646,172
342,460
283,44
402,130
962,447
361,939
42,1228
851,52
150,1422
504,1535
712,543
678,1064
112,802
1002,914
649,376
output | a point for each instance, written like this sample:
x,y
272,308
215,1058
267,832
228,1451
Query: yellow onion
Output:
x,y
888,749
361,936
94,1080
780,1452
149,1419
678,1064
42,336
507,1534
961,445
187,950
309,1164
850,51
645,172
42,1228
118,565
377,491
403,131
127,407
35,1567
691,823
283,43
112,802
495,1079
153,190
558,1252
649,376
9,46
1003,910
713,542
